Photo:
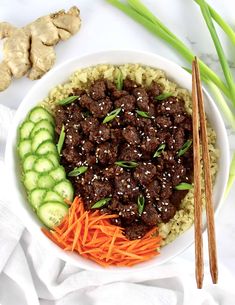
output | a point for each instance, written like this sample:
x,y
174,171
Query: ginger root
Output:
x,y
31,48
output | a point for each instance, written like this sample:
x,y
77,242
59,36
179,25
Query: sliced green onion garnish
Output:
x,y
141,203
77,171
101,203
159,150
128,164
60,143
144,114
184,148
67,100
183,186
163,96
110,116
119,80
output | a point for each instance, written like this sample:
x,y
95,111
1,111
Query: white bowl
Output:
x,y
60,75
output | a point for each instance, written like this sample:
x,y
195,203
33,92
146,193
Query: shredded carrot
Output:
x,y
112,244
93,236
76,235
85,229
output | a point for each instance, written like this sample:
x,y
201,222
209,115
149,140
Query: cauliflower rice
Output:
x,y
143,75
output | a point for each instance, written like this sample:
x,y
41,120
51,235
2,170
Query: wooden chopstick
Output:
x,y
208,183
199,267
199,114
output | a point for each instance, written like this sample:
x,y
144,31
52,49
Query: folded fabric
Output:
x,y
6,116
30,274
11,228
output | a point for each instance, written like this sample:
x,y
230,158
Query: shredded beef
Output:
x,y
150,216
100,108
128,137
131,135
136,230
98,90
154,90
145,173
129,85
126,102
106,153
142,98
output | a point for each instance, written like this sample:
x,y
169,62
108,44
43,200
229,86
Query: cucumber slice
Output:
x,y
28,162
54,158
65,189
43,124
40,136
45,181
39,113
36,197
24,148
30,180
43,165
53,196
58,174
26,129
52,213
46,147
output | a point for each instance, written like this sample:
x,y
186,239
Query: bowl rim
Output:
x,y
30,223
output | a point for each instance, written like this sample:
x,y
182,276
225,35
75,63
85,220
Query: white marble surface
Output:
x,y
104,27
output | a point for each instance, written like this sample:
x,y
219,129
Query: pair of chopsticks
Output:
x,y
199,115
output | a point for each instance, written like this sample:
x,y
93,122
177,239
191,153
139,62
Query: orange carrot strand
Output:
x,y
91,235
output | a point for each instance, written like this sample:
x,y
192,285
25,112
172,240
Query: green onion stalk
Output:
x,y
140,8
140,13
221,22
137,11
209,13
231,178
218,46
161,31
221,103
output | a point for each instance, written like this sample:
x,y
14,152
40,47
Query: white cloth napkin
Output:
x,y
29,275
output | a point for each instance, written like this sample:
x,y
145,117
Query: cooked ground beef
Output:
x,y
127,137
